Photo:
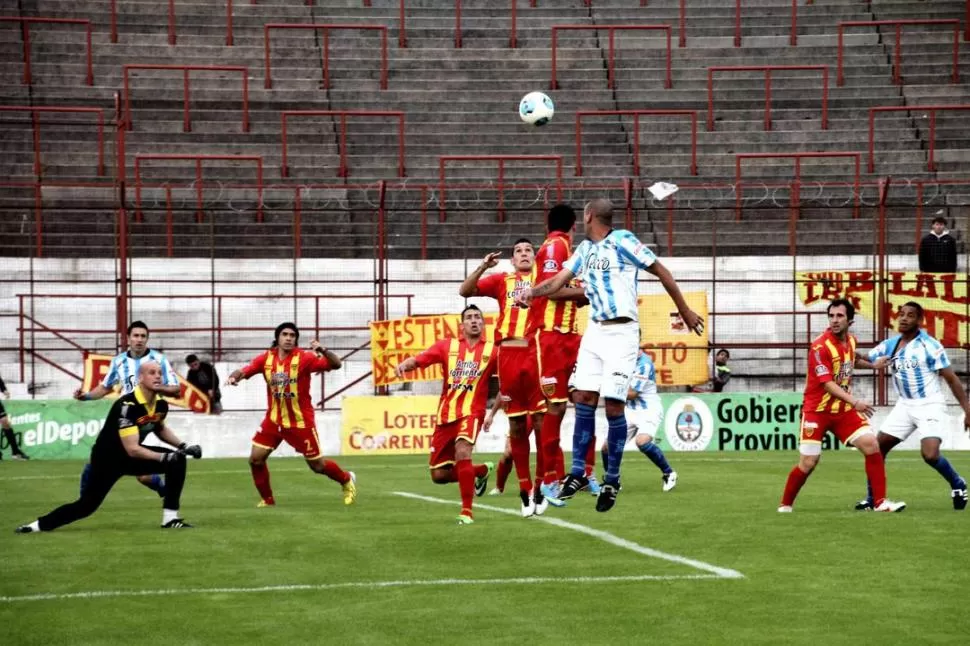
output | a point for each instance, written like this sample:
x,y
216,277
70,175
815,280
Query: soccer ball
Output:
x,y
536,109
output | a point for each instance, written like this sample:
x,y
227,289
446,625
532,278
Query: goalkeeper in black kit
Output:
x,y
120,451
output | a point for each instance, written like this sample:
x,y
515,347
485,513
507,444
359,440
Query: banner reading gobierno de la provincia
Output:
x,y
53,429
734,422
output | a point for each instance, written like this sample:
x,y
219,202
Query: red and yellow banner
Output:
x,y
663,335
96,366
943,297
387,425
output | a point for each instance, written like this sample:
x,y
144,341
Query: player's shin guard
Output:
x,y
943,467
876,472
583,435
333,471
796,480
616,439
261,480
551,454
504,469
466,484
520,458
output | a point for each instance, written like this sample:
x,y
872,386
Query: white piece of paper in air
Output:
x,y
662,190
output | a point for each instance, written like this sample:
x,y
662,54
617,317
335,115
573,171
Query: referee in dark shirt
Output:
x,y
119,451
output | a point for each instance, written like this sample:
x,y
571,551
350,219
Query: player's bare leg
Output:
x,y
519,442
886,444
346,479
257,466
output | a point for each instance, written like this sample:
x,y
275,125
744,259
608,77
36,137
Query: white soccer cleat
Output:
x,y
541,505
528,506
495,492
891,506
785,509
670,480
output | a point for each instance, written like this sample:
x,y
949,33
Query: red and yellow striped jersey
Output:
x,y
288,402
513,321
544,314
828,360
467,369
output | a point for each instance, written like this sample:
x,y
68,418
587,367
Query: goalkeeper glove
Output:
x,y
193,450
172,457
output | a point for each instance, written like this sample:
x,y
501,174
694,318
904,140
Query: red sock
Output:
x,y
520,459
261,480
876,472
551,453
333,471
504,468
481,470
560,464
591,457
796,479
540,463
466,484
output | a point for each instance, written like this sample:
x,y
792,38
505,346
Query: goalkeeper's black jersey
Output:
x,y
130,414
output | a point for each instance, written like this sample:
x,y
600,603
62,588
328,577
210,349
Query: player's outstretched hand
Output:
x,y
79,394
234,378
864,407
193,450
693,321
491,259
880,363
966,421
487,424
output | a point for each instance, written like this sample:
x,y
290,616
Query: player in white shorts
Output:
x,y
918,363
608,262
644,414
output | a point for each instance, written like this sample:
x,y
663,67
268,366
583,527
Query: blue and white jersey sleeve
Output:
x,y
114,372
576,261
884,349
916,369
638,253
168,374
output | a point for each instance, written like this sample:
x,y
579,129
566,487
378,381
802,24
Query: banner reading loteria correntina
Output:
x,y
663,335
96,366
943,297
387,425
50,429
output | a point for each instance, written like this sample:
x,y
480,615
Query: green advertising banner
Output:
x,y
56,429
733,422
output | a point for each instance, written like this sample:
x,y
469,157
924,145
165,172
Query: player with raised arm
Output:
x,y
123,373
467,363
518,377
918,362
829,405
289,414
120,450
644,414
608,262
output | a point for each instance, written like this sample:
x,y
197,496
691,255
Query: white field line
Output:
x,y
360,585
606,537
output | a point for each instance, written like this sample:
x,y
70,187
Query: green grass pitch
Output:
x,y
378,572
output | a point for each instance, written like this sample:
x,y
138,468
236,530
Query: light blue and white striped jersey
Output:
x,y
124,369
644,381
609,270
915,368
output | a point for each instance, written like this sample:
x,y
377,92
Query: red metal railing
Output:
x,y
931,109
767,69
35,122
198,159
797,158
26,22
898,50
171,21
344,170
792,38
500,159
186,69
611,53
325,63
636,114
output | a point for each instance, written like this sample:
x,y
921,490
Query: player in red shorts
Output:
x,y
518,377
828,405
290,415
467,364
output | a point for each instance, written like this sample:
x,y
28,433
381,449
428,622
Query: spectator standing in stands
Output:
x,y
203,376
8,428
722,372
938,249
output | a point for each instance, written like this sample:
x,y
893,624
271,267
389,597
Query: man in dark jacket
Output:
x,y
938,249
203,376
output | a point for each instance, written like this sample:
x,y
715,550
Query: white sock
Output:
x,y
168,515
35,526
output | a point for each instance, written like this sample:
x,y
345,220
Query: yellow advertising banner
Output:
x,y
943,297
387,425
681,357
96,366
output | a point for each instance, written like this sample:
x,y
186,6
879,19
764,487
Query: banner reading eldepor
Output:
x,y
51,429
